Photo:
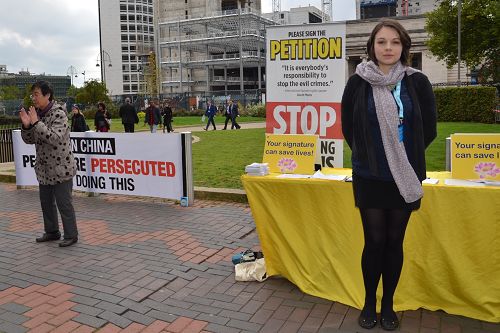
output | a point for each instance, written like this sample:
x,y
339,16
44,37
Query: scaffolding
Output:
x,y
220,52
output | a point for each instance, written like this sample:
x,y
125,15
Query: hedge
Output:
x,y
467,104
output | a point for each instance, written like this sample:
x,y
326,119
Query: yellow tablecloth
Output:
x,y
311,234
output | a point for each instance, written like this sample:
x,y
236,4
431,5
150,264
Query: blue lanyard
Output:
x,y
396,92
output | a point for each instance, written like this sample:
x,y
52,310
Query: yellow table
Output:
x,y
311,234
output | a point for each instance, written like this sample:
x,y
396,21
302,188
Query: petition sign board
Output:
x,y
305,80
134,164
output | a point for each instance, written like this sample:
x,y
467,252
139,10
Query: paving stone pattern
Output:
x,y
148,265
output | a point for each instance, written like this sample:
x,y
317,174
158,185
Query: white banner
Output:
x,y
305,79
142,164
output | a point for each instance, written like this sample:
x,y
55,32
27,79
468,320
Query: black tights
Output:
x,y
384,231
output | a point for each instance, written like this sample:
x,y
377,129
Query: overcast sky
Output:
x,y
50,36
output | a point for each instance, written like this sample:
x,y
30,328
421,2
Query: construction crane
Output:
x,y
404,7
276,10
327,10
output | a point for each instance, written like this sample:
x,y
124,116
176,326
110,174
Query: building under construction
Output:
x,y
211,47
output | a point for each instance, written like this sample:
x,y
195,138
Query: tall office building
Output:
x,y
212,46
23,79
126,31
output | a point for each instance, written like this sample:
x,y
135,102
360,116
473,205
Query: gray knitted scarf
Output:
x,y
405,177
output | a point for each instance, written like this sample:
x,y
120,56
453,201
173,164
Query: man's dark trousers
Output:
x,y
129,128
228,118
234,123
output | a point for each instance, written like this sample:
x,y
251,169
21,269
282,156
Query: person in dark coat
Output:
x,y
129,116
78,123
233,107
167,118
210,113
388,119
101,120
153,116
227,114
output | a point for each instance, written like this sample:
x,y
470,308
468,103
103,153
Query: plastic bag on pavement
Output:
x,y
251,271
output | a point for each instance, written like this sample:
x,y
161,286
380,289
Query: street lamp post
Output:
x,y
83,73
102,57
72,72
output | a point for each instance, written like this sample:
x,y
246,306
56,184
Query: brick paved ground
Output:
x,y
152,266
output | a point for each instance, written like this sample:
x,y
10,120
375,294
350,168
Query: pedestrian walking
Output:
x,y
129,116
227,114
153,116
233,107
210,113
388,120
45,125
167,118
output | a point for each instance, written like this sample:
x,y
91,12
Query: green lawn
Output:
x,y
219,159
117,127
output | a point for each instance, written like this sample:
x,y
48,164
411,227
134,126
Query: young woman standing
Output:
x,y
388,119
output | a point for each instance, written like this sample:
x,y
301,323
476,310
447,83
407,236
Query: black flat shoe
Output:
x,y
389,324
49,237
367,322
68,242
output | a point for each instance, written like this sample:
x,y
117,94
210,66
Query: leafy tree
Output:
x,y
10,92
27,102
151,75
92,92
72,91
480,35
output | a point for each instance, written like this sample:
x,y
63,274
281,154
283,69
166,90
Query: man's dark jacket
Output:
x,y
128,114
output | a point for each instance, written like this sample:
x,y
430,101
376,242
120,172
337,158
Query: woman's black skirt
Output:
x,y
371,193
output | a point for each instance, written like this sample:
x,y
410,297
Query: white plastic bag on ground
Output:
x,y
251,271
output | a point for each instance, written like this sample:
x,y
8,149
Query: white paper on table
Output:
x,y
486,182
430,181
321,175
293,176
491,183
461,182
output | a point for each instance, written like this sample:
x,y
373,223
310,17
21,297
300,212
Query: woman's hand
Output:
x,y
25,118
33,115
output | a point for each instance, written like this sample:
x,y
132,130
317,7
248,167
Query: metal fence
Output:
x,y
194,100
6,145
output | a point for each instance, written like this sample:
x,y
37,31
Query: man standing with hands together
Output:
x,y
46,125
